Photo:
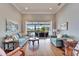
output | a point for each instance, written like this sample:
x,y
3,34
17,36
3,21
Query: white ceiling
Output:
x,y
38,8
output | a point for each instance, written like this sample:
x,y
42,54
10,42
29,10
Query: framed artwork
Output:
x,y
64,26
11,26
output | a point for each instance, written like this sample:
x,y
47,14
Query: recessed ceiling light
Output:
x,y
26,8
50,8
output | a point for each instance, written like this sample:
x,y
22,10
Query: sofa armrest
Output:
x,y
17,52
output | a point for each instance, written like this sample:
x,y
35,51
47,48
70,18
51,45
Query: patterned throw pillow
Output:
x,y
76,49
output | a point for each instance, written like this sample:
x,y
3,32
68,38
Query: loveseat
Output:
x,y
57,42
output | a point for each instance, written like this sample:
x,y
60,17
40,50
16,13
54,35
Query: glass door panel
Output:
x,y
35,28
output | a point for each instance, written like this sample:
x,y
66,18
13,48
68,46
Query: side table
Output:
x,y
8,44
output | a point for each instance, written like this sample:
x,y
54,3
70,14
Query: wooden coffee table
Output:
x,y
33,39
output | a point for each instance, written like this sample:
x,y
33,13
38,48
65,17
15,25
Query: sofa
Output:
x,y
18,38
22,39
57,42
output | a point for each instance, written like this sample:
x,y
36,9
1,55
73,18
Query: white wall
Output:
x,y
7,12
70,12
39,18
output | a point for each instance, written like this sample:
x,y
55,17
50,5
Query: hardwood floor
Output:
x,y
45,48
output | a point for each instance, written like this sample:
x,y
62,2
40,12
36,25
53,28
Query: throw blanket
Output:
x,y
2,53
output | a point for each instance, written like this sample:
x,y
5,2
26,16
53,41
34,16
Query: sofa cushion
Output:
x,y
59,36
57,42
16,37
22,41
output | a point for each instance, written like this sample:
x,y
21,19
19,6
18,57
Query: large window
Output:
x,y
34,28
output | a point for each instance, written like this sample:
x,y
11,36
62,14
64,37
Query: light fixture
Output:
x,y
26,8
50,8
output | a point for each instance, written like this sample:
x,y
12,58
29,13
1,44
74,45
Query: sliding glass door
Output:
x,y
38,29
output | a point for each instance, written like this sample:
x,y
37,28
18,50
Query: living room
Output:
x,y
49,23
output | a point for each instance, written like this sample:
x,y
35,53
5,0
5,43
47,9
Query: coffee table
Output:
x,y
33,39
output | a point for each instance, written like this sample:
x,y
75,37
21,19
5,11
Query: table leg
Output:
x,y
4,46
38,41
29,41
13,46
8,46
33,43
